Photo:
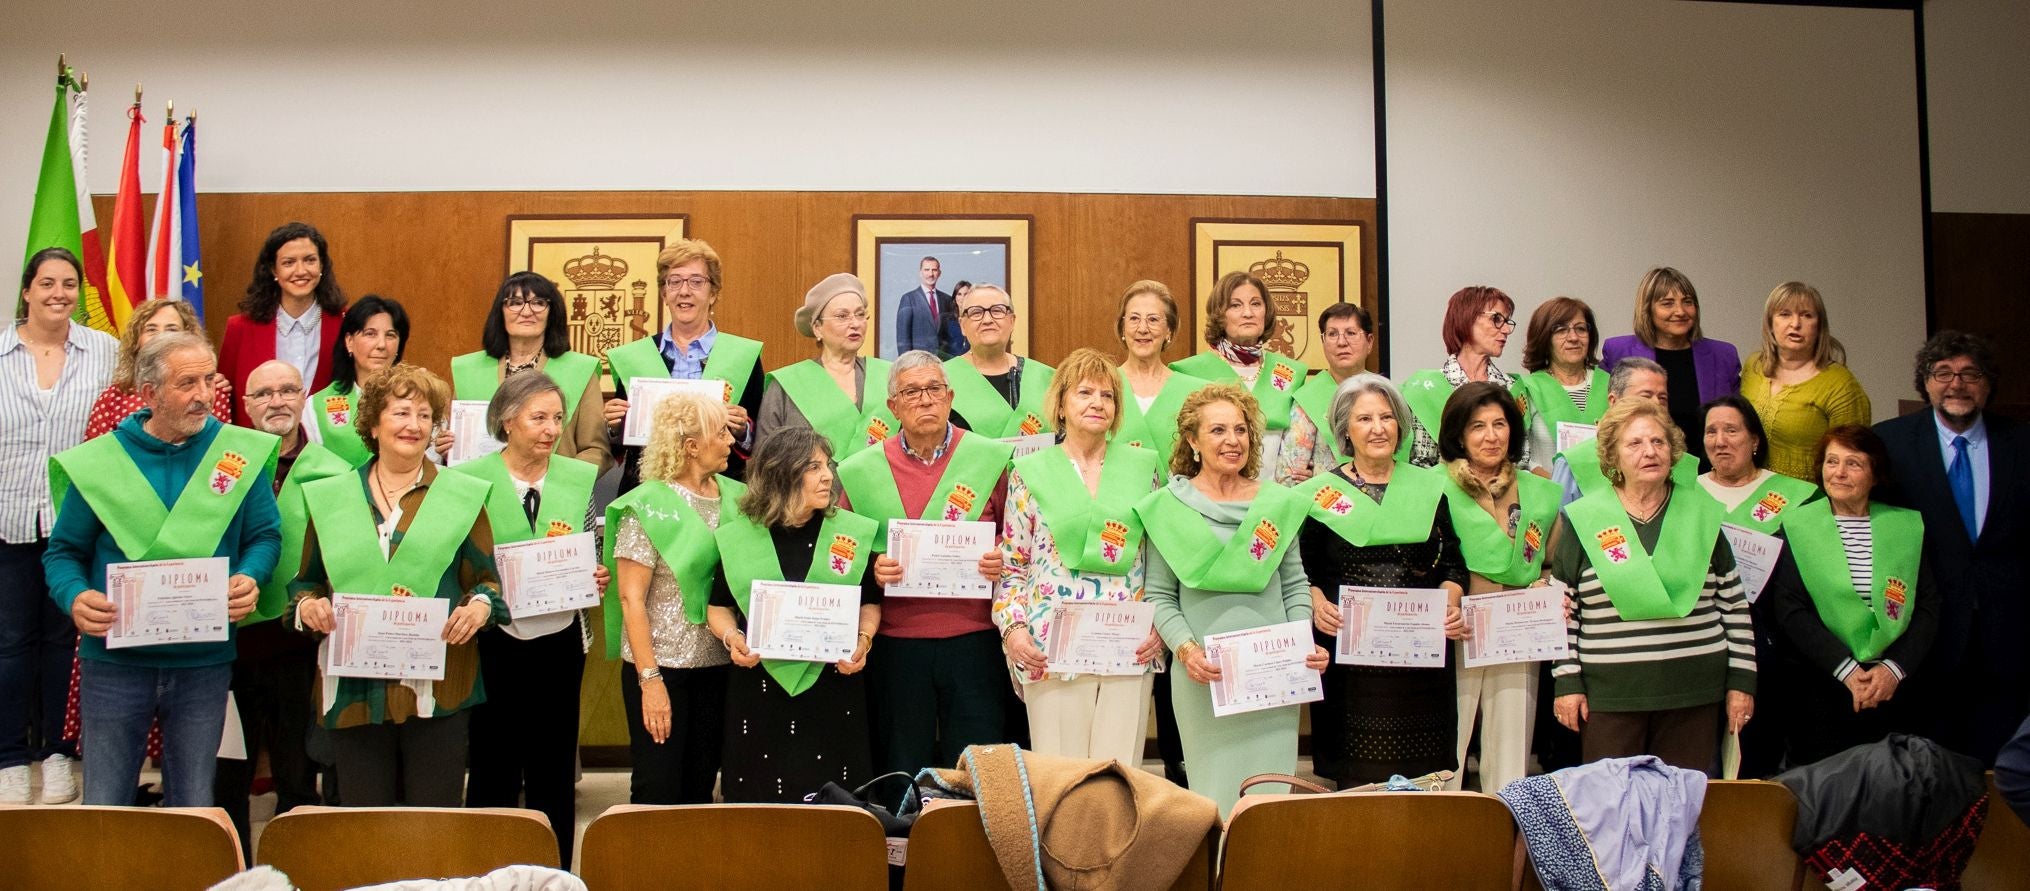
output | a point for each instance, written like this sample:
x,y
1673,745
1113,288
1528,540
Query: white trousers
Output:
x,y
1090,716
1504,698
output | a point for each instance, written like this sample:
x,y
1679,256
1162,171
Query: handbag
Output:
x,y
895,823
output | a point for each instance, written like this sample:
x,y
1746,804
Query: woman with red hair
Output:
x,y
1478,321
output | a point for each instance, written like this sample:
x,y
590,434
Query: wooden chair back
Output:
x,y
2002,855
117,847
948,849
749,846
322,848
1745,830
1385,841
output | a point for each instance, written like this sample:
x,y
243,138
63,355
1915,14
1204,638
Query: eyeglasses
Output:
x,y
976,313
1578,328
1501,322
1339,334
274,393
1138,320
845,317
525,303
692,283
1969,376
931,393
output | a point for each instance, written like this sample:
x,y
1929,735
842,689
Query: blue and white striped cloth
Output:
x,y
35,424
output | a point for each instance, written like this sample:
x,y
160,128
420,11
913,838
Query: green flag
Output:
x,y
54,220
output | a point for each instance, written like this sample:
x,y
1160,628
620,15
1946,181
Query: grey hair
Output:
x,y
515,392
1626,370
151,365
978,287
1350,391
911,361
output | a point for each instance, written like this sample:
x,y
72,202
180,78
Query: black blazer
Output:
x,y
736,463
1806,635
915,331
1980,585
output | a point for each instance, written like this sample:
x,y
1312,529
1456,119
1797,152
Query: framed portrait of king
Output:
x,y
605,265
1307,265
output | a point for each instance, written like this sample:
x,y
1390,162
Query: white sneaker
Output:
x,y
59,779
14,785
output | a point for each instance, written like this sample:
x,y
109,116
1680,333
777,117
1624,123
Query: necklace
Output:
x,y
388,496
514,367
44,350
1645,519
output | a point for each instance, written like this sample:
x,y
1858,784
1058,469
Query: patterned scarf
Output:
x,y
1235,354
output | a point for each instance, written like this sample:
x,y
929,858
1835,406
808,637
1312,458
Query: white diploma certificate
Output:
x,y
1391,627
1754,557
167,602
802,621
1515,626
548,575
1570,434
645,393
469,436
387,637
1031,444
1098,638
1262,668
940,559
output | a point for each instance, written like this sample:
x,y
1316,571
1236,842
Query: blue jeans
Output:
x,y
36,643
116,703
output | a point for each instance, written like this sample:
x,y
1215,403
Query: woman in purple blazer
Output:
x,y
1667,331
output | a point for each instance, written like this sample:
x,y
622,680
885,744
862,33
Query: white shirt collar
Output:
x,y
295,324
1977,435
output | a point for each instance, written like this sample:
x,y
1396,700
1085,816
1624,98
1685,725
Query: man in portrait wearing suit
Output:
x,y
1963,469
925,318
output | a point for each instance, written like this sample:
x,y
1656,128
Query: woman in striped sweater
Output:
x,y
1662,635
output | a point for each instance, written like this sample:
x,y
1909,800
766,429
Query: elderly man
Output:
x,y
1962,468
939,685
994,391
1577,469
170,483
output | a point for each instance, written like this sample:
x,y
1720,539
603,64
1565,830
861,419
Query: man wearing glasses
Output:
x,y
994,391
1962,468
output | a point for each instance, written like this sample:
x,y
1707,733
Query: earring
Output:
x,y
1194,455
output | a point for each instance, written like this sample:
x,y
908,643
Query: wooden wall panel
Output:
x,y
1977,286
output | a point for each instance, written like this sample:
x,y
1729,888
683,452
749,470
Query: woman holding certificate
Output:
x,y
526,330
405,528
1563,381
660,549
840,393
1374,523
1503,516
372,337
1853,598
1662,643
794,724
1239,317
532,665
1072,548
1151,391
1224,560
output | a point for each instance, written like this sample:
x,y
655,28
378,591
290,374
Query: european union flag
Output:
x,y
192,276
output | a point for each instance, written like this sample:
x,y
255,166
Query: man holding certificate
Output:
x,y
163,531
939,685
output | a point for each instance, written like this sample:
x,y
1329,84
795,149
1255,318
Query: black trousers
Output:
x,y
274,682
37,642
418,763
524,737
683,768
1169,745
931,698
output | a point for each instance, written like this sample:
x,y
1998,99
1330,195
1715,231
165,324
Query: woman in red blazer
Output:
x,y
292,273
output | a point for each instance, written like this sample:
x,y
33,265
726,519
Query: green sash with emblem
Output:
x,y
352,548
1243,563
1584,460
475,376
987,413
732,360
1155,429
1642,585
141,525
1822,564
1274,387
1544,395
332,412
1516,562
682,538
1315,398
1425,392
831,412
313,462
1403,516
973,467
748,552
1093,534
1775,499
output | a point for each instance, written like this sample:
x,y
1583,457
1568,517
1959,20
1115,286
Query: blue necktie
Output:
x,y
1961,477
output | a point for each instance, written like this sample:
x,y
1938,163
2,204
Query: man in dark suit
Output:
x,y
1962,468
925,318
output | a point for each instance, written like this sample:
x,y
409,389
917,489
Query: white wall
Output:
x,y
1980,104
978,95
1566,148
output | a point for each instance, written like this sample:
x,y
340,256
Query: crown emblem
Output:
x,y
959,502
595,271
1281,274
1265,536
557,528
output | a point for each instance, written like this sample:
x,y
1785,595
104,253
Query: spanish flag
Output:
x,y
127,248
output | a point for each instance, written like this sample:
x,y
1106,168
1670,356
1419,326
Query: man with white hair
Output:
x,y
1577,469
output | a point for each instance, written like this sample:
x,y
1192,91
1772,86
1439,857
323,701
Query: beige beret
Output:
x,y
821,294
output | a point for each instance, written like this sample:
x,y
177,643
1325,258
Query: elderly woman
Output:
x,y
1374,522
1239,320
50,368
663,559
1151,393
1503,516
120,399
401,527
291,312
840,393
373,337
1070,536
1799,383
1751,496
793,726
1661,637
1347,334
1667,331
1477,323
1224,559
1564,383
526,330
532,665
994,391
1854,602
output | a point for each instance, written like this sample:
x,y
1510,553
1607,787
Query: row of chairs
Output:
x,y
1372,841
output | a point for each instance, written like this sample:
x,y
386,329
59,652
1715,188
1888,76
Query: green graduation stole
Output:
x,y
1543,393
1403,516
849,428
567,491
1426,392
972,468
682,538
1093,534
1822,563
1156,429
352,548
1663,585
1274,385
144,527
1517,562
845,542
313,462
1245,562
732,360
1584,460
1774,501
1315,398
333,413
990,415
477,376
